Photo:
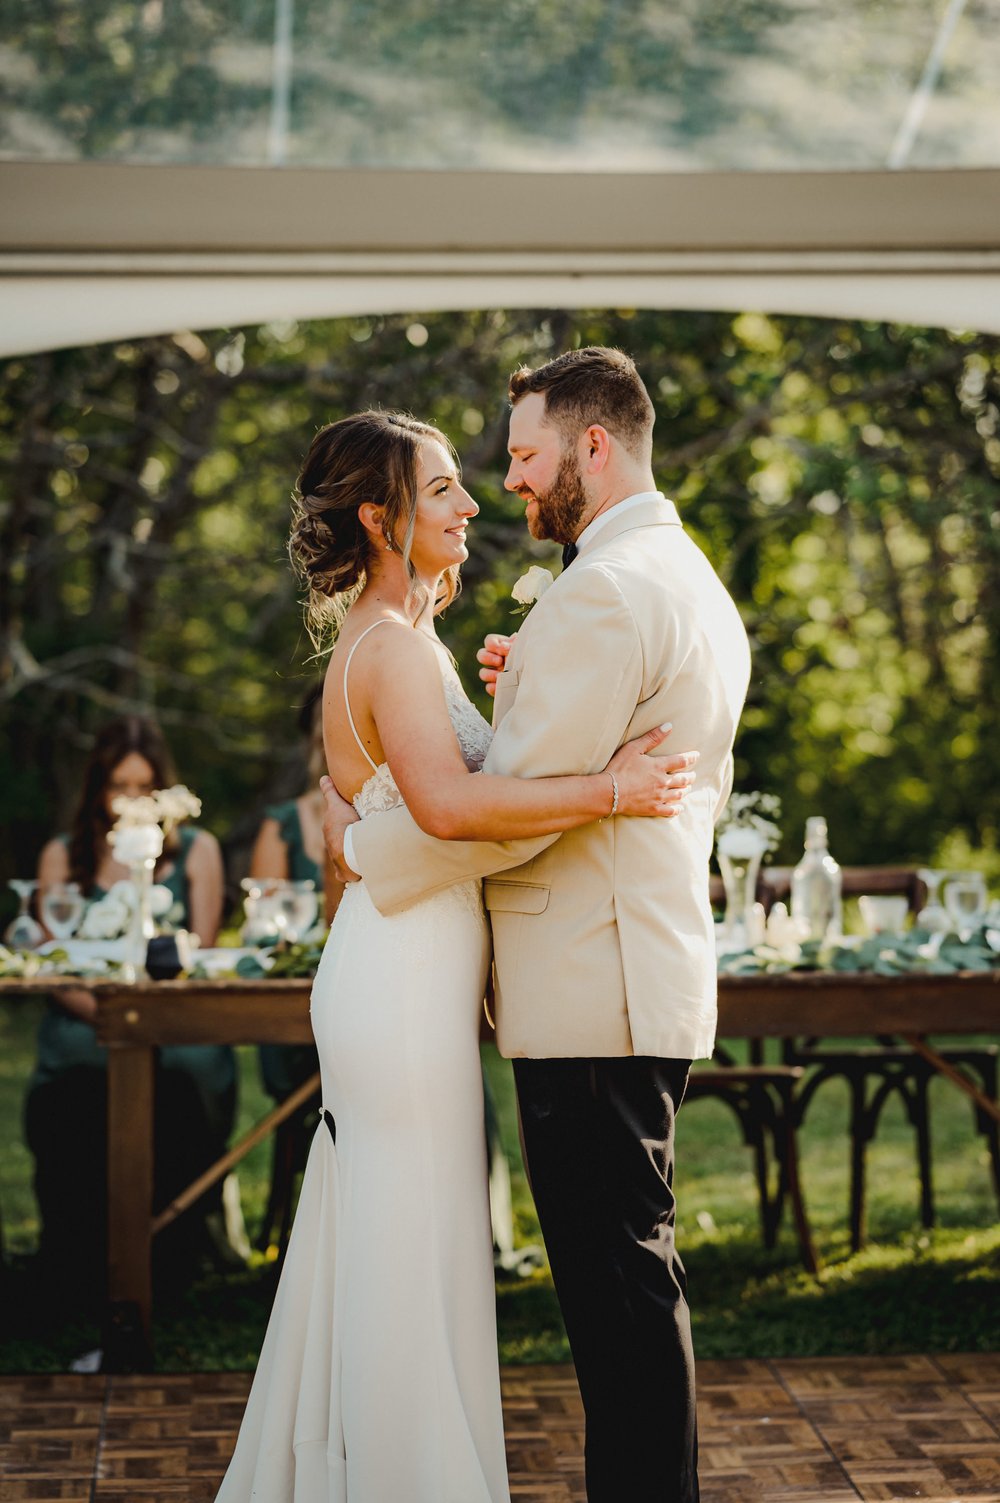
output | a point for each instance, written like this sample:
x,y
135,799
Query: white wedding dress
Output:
x,y
378,1379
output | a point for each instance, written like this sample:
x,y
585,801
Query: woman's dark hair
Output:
x,y
370,456
91,823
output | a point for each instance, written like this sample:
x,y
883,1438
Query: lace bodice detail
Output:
x,y
473,732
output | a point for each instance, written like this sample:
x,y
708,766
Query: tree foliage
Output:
x,y
843,477
699,83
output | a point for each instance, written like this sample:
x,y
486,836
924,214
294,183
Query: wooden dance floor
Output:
x,y
802,1431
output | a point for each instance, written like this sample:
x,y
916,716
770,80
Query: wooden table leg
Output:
x,y
127,1343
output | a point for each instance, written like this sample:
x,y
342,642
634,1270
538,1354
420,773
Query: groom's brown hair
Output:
x,y
592,385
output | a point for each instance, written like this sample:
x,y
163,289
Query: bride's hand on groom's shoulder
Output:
x,y
337,815
493,657
649,785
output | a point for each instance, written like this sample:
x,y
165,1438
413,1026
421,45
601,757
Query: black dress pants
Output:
x,y
599,1143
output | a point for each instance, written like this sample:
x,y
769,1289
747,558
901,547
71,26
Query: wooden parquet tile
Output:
x,y
906,1427
830,1431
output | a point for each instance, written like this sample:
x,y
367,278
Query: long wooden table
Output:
x,y
134,1020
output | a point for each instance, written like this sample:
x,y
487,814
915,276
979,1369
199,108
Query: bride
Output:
x,y
378,1379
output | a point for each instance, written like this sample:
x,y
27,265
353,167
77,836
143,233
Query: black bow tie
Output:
x,y
569,554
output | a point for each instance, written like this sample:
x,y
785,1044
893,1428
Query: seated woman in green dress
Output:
x,y
65,1112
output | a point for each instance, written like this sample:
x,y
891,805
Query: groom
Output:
x,y
603,938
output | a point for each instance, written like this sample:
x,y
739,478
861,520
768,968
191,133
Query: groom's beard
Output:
x,y
559,509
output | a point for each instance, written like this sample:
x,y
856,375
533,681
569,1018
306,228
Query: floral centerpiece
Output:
x,y
132,906
110,917
745,833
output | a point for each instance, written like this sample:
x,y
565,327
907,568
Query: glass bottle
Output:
x,y
816,886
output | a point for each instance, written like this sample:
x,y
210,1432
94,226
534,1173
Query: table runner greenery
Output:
x,y
881,955
288,960
915,952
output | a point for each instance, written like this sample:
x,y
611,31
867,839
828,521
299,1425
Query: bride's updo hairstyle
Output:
x,y
370,456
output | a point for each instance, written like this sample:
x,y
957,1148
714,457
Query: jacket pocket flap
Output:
x,y
515,897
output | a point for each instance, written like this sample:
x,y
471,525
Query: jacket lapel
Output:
x,y
652,513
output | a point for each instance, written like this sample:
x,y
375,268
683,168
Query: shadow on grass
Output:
x,y
928,1293
936,1291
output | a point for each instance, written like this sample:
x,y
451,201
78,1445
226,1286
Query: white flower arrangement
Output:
x,y
135,812
531,586
136,835
109,917
165,806
745,828
134,843
136,838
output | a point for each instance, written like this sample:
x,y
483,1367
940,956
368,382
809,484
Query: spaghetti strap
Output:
x,y
347,699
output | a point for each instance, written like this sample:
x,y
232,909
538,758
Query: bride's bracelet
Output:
x,y
614,799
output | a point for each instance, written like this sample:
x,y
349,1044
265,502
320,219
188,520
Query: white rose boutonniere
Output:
x,y
531,587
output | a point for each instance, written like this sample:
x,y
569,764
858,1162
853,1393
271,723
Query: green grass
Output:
x,y
909,1290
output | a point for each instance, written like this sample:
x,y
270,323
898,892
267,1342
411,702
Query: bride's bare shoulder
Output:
x,y
396,649
360,634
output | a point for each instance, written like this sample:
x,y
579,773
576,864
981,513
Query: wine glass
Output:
x,y
882,913
307,905
965,900
933,916
24,933
259,906
295,909
62,908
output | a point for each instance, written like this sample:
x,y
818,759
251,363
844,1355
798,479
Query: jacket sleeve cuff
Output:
x,y
350,860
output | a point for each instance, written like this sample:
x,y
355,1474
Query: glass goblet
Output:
x,y
933,916
259,906
306,905
24,932
883,913
965,900
62,908
295,909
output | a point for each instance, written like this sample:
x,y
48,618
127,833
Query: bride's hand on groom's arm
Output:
x,y
337,816
493,657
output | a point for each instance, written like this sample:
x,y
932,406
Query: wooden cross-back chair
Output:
x,y
762,1098
887,1067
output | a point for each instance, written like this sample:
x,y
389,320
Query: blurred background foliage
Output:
x,y
843,478
762,84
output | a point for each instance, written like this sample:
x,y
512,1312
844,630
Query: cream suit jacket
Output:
x,y
603,936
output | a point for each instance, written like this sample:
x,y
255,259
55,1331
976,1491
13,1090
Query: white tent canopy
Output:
x,y
218,163
99,251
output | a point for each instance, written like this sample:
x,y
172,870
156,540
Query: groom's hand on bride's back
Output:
x,y
493,657
337,815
